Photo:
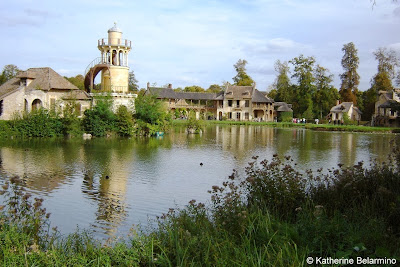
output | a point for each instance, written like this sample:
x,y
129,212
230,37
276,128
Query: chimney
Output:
x,y
337,102
169,86
148,85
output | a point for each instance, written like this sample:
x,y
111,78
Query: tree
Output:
x,y
132,82
382,81
282,82
387,61
9,72
303,71
78,81
350,78
214,88
194,88
325,94
242,78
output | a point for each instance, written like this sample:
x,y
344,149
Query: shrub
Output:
x,y
99,120
124,121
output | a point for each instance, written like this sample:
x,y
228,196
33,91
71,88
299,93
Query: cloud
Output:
x,y
273,46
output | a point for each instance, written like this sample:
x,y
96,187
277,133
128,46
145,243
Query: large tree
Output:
x,y
305,88
194,88
387,62
350,78
214,88
382,80
325,93
9,72
282,82
78,81
242,78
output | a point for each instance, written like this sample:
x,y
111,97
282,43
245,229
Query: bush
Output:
x,y
99,120
124,121
38,123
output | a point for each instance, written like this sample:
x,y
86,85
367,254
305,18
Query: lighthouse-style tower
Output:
x,y
113,64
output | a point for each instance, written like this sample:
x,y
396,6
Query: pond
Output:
x,y
108,185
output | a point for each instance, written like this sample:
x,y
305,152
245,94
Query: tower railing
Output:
x,y
95,61
114,42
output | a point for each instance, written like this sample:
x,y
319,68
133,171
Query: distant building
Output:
x,y
386,107
40,87
282,108
239,103
338,112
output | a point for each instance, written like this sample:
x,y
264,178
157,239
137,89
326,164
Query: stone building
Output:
x,y
238,103
386,109
338,112
40,87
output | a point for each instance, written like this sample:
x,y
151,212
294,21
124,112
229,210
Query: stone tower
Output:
x,y
113,64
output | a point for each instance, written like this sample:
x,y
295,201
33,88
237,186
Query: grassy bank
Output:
x,y
273,215
316,127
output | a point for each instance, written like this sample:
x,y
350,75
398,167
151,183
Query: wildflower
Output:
x,y
298,209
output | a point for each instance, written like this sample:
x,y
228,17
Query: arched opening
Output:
x,y
220,116
36,104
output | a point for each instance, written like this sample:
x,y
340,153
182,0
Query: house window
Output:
x,y
238,116
238,103
246,116
229,103
1,107
229,115
247,103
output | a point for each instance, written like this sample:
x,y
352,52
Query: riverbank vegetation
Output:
x,y
99,121
316,127
272,215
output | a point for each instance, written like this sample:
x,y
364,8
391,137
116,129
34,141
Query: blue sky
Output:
x,y
197,42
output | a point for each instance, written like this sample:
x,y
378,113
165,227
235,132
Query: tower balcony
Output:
x,y
114,42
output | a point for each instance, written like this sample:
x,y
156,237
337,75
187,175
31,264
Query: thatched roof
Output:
x,y
239,92
259,97
390,104
344,107
42,79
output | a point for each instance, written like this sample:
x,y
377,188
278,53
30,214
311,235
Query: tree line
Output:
x,y
308,85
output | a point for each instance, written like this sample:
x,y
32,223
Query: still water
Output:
x,y
148,176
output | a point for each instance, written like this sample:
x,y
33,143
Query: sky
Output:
x,y
197,42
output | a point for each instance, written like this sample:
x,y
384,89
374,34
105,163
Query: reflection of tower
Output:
x,y
113,63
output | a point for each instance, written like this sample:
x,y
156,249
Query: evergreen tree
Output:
x,y
242,78
350,78
132,82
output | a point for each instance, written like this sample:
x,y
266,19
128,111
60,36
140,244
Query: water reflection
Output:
x,y
109,184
